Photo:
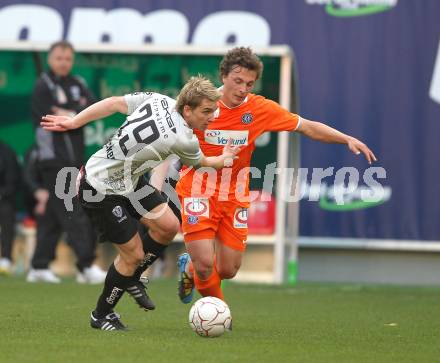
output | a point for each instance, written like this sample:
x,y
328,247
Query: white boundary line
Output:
x,y
276,50
369,244
282,162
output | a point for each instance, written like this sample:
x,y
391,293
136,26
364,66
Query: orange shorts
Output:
x,y
208,218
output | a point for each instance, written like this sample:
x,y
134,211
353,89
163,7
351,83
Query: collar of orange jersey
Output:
x,y
231,108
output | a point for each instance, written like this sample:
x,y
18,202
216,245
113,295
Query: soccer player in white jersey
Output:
x,y
113,192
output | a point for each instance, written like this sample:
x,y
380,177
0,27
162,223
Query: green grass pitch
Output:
x,y
307,323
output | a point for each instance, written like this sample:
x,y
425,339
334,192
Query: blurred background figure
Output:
x,y
9,181
36,196
58,92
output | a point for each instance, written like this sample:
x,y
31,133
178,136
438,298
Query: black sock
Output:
x,y
114,287
153,250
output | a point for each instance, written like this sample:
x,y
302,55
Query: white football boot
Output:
x,y
42,275
91,275
5,266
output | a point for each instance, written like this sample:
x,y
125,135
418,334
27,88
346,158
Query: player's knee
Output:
x,y
204,268
169,233
172,228
227,272
166,231
134,258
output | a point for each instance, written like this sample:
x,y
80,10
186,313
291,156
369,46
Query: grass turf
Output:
x,y
308,323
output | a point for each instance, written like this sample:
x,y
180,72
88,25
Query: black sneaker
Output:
x,y
109,322
138,293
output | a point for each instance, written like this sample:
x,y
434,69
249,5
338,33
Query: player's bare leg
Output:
x,y
129,256
205,276
202,254
162,227
228,260
199,260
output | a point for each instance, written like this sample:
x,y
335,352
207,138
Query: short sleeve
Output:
x,y
278,118
134,100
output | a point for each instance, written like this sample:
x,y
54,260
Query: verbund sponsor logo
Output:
x,y
221,137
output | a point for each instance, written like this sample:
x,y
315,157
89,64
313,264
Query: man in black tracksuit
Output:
x,y
58,92
9,180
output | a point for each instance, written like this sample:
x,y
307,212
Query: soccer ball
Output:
x,y
210,317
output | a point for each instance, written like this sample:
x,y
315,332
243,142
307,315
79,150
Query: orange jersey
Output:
x,y
243,124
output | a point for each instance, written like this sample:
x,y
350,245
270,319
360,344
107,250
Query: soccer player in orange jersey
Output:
x,y
214,232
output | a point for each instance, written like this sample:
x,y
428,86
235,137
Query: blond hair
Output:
x,y
195,91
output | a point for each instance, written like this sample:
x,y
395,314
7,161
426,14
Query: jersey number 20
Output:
x,y
153,133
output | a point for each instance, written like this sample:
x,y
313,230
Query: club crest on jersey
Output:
x,y
118,213
247,118
197,207
193,219
240,218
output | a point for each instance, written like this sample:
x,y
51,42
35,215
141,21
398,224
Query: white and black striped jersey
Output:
x,y
152,132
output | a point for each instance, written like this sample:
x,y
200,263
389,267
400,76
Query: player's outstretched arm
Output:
x,y
225,159
321,132
101,109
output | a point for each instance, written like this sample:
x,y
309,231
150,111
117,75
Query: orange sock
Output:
x,y
211,286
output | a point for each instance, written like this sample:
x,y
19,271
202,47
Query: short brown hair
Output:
x,y
241,57
195,91
61,44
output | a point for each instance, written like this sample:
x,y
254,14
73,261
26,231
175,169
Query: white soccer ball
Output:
x,y
210,317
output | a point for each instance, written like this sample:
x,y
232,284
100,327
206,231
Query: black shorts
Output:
x,y
115,217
